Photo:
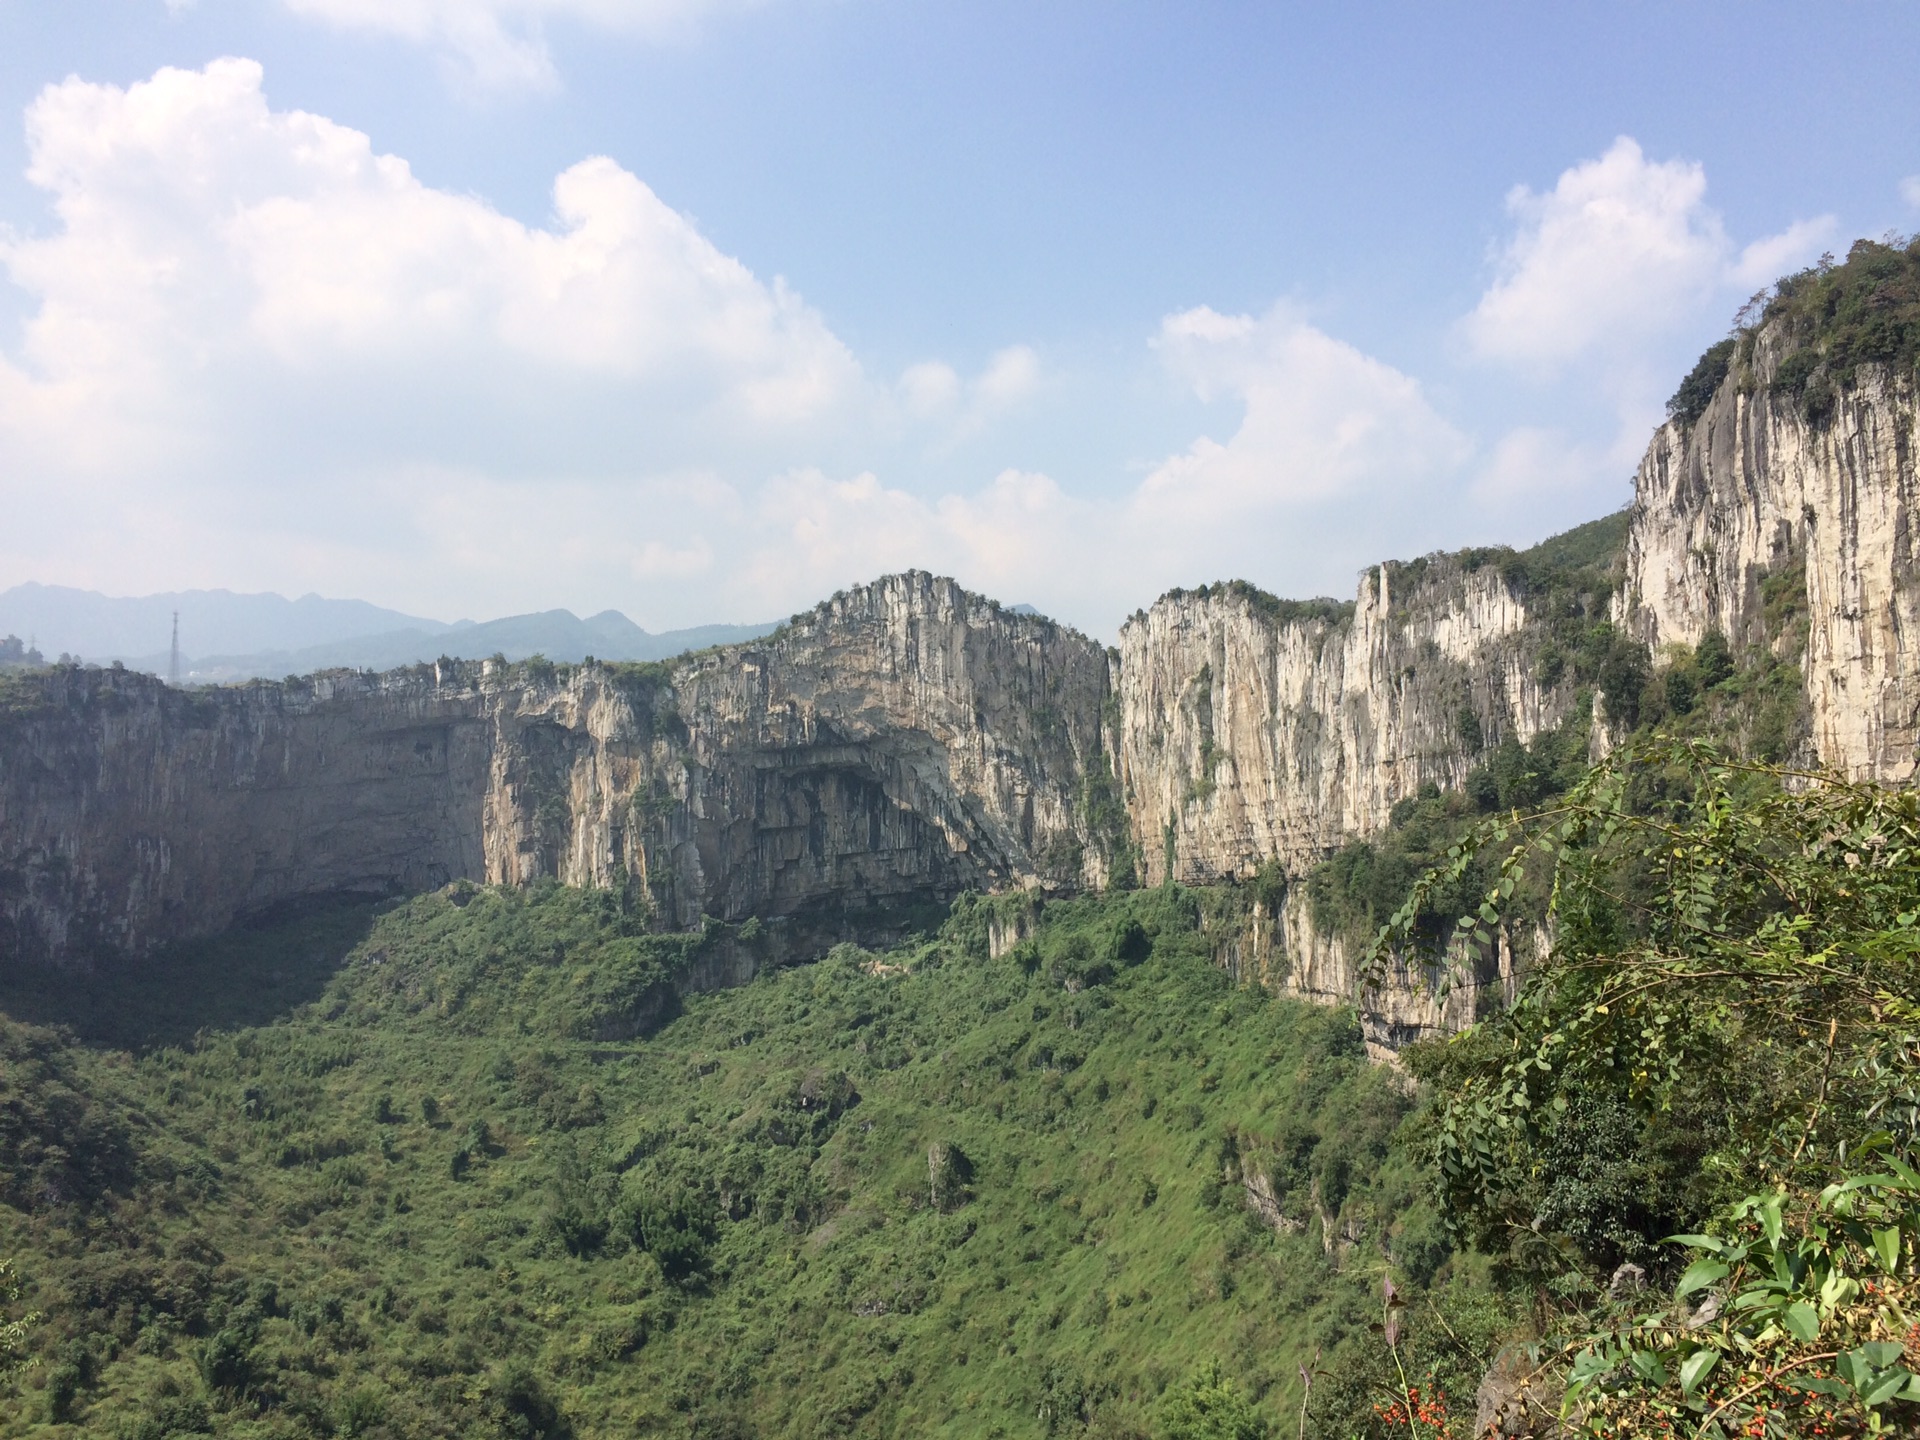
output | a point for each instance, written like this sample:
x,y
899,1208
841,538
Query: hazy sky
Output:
x,y
702,309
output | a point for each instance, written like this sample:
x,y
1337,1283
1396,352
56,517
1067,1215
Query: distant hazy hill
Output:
x,y
224,636
557,634
212,622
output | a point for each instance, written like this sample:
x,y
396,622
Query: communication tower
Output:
x,y
173,661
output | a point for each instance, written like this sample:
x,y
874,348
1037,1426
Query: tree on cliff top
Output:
x,y
15,651
1836,318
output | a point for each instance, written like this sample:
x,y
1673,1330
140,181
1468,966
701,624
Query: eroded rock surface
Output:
x,y
1251,733
1754,490
901,743
907,741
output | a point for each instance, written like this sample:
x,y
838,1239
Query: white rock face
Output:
x,y
1287,953
1249,735
902,743
1752,489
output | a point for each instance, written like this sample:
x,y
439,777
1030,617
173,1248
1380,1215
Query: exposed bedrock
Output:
x,y
1249,732
901,743
1253,734
1755,489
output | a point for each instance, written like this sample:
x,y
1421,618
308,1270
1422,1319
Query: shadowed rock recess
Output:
x,y
907,741
902,743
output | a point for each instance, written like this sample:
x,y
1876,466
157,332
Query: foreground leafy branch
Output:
x,y
1723,1024
1801,1327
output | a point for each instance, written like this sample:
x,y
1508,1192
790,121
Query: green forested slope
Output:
x,y
924,1193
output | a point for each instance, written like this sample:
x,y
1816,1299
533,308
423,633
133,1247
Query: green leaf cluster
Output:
x,y
1809,1304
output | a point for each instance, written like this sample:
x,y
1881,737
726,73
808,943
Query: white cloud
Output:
x,y
1019,537
1334,455
1011,377
1320,420
257,353
1910,191
1613,248
223,271
933,393
1768,258
1623,250
500,44
1531,463
930,389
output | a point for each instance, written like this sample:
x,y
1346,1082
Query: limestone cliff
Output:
x,y
1252,730
1283,950
899,744
903,740
1256,733
1757,489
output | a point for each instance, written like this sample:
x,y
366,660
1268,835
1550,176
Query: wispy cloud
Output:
x,y
501,44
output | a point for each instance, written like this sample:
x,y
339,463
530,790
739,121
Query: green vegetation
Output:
x,y
1270,607
488,1163
1837,318
22,693
1105,809
475,1165
1567,583
16,652
1830,319
1355,891
1719,1047
1696,392
14,1332
1211,1407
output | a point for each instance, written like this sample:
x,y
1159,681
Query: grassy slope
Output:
x,y
421,1200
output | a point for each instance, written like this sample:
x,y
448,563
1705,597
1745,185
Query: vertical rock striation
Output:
x,y
1252,730
901,743
903,740
1754,489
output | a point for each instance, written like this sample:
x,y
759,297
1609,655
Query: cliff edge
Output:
x,y
901,743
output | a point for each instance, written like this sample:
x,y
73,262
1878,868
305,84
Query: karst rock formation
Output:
x,y
906,741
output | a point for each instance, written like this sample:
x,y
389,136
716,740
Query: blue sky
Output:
x,y
701,309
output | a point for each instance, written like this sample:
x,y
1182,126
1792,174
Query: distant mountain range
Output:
x,y
224,636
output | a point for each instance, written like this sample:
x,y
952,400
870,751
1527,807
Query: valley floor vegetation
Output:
x,y
467,1166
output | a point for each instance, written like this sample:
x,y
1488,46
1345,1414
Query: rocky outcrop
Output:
x,y
131,814
905,740
1754,491
901,743
1280,948
1253,731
